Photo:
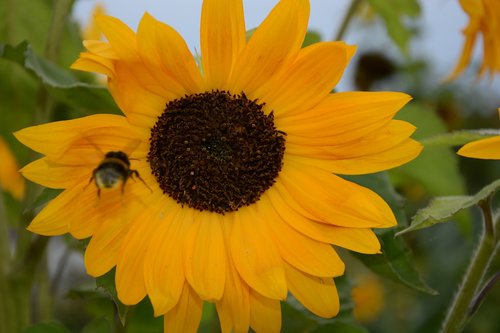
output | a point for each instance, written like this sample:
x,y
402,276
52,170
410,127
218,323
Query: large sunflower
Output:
x,y
239,204
484,21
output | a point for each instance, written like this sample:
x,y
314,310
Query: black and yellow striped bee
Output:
x,y
113,171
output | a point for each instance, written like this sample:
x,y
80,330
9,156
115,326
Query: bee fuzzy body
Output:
x,y
113,171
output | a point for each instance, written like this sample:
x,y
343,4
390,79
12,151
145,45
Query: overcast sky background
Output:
x,y
440,40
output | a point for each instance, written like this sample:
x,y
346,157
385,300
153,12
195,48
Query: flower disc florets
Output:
x,y
215,151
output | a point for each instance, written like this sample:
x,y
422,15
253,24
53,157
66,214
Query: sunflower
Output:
x,y
487,149
10,178
238,204
484,19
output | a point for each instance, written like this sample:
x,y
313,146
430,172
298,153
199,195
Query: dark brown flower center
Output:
x,y
215,151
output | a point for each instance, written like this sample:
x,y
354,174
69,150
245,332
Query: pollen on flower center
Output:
x,y
215,151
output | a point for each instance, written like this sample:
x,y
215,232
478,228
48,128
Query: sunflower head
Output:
x,y
241,160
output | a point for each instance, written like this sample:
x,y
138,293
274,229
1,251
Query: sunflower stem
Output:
x,y
459,311
347,19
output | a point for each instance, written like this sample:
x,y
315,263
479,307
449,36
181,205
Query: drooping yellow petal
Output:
x,y
306,80
276,39
163,266
104,247
130,284
204,256
355,239
255,255
222,38
162,48
265,313
10,178
333,200
308,255
185,316
484,149
234,306
319,295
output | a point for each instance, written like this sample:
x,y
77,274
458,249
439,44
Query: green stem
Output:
x,y
347,19
458,314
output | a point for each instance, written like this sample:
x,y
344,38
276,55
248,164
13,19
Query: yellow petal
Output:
x,y
355,239
54,175
104,247
54,218
163,267
162,48
10,178
100,48
186,315
485,149
310,256
276,39
130,284
387,138
265,313
54,139
380,161
204,256
234,306
222,39
333,200
305,80
134,92
255,255
319,295
343,117
120,36
95,64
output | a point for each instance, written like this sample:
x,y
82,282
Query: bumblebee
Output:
x,y
114,170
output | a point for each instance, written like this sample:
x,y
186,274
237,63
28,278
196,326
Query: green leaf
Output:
x,y
340,327
441,209
59,82
458,138
395,263
99,325
107,283
49,327
394,12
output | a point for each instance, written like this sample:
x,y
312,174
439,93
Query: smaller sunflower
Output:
x,y
484,19
10,178
486,149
